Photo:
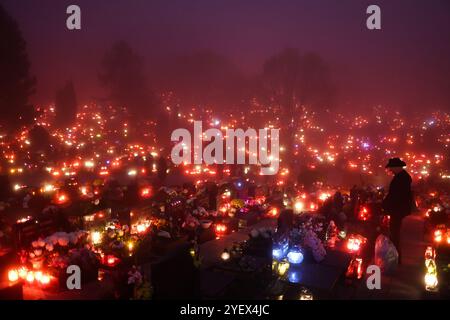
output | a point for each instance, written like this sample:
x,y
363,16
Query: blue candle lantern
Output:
x,y
295,256
294,276
279,251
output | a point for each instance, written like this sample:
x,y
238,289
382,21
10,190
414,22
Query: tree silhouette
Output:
x,y
207,78
123,75
293,80
66,105
40,140
16,84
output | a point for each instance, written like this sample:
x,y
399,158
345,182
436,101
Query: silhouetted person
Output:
x,y
338,202
398,201
213,191
162,170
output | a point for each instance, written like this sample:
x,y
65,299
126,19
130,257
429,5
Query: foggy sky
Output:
x,y
405,64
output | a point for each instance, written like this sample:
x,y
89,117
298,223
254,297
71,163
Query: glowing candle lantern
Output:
x,y
101,274
45,279
431,282
96,237
112,260
438,236
354,269
30,276
294,276
141,228
305,294
62,198
274,212
295,256
282,267
279,251
145,192
192,252
364,214
324,196
225,256
38,275
431,279
354,243
220,229
342,234
429,253
48,188
84,191
89,164
13,275
130,247
299,206
22,273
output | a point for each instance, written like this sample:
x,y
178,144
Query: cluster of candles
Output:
x,y
364,213
431,277
354,246
285,260
30,276
355,243
221,230
442,235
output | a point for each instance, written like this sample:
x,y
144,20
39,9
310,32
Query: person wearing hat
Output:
x,y
397,202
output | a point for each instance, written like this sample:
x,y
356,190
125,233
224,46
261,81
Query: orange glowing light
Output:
x,y
22,272
30,276
112,260
363,214
62,198
274,212
146,192
354,243
13,275
45,279
221,228
438,236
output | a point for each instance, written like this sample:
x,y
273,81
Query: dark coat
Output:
x,y
398,202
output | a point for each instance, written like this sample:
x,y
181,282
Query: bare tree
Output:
x,y
16,83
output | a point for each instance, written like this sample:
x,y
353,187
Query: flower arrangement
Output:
x,y
47,259
313,242
309,235
142,289
53,249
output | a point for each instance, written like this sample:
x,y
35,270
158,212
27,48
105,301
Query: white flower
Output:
x,y
63,241
38,252
49,247
52,239
73,238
